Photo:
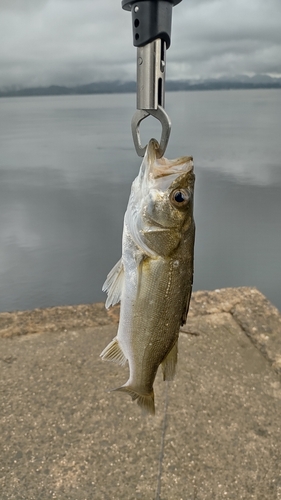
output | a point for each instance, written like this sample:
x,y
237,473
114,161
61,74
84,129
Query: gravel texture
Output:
x,y
217,429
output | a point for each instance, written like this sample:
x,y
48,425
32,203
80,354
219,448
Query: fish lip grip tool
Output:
x,y
152,21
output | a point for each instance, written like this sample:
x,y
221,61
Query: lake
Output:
x,y
66,167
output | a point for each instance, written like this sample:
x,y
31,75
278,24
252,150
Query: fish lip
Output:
x,y
161,166
151,150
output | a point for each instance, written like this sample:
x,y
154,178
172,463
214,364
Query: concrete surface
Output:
x,y
216,433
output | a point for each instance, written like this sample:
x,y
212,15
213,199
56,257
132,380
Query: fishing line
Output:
x,y
161,454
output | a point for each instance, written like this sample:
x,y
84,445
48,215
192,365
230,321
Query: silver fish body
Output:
x,y
153,279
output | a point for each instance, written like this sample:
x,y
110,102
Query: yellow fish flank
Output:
x,y
153,278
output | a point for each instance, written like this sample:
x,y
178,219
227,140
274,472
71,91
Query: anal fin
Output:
x,y
113,352
170,362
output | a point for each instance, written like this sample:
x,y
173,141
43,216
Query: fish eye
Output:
x,y
179,198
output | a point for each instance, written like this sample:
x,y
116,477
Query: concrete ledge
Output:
x,y
258,318
54,319
216,433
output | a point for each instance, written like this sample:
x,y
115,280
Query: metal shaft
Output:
x,y
151,62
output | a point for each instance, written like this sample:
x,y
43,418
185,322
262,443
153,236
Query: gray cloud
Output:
x,y
79,41
21,6
219,37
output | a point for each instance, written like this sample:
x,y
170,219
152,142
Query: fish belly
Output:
x,y
150,319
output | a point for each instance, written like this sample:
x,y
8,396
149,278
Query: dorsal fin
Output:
x,y
186,307
170,362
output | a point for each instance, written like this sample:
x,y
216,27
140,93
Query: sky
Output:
x,y
73,42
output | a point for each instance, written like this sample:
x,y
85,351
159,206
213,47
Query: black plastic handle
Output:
x,y
151,19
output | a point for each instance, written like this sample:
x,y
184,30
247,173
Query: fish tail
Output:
x,y
145,401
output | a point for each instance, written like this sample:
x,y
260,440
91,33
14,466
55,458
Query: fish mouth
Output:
x,y
160,167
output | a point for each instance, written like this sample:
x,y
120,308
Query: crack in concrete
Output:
x,y
257,344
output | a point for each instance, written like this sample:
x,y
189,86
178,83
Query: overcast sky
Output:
x,y
69,42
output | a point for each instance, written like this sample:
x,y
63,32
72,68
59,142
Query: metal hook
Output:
x,y
165,121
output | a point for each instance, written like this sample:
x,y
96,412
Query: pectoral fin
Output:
x,y
170,362
113,352
114,284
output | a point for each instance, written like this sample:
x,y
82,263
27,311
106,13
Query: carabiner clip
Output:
x,y
165,121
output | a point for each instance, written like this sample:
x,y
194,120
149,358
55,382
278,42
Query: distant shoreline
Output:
x,y
118,87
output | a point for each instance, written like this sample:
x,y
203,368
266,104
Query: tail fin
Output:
x,y
145,401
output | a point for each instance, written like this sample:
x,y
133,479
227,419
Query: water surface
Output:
x,y
66,166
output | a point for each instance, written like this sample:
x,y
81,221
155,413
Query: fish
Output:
x,y
153,279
